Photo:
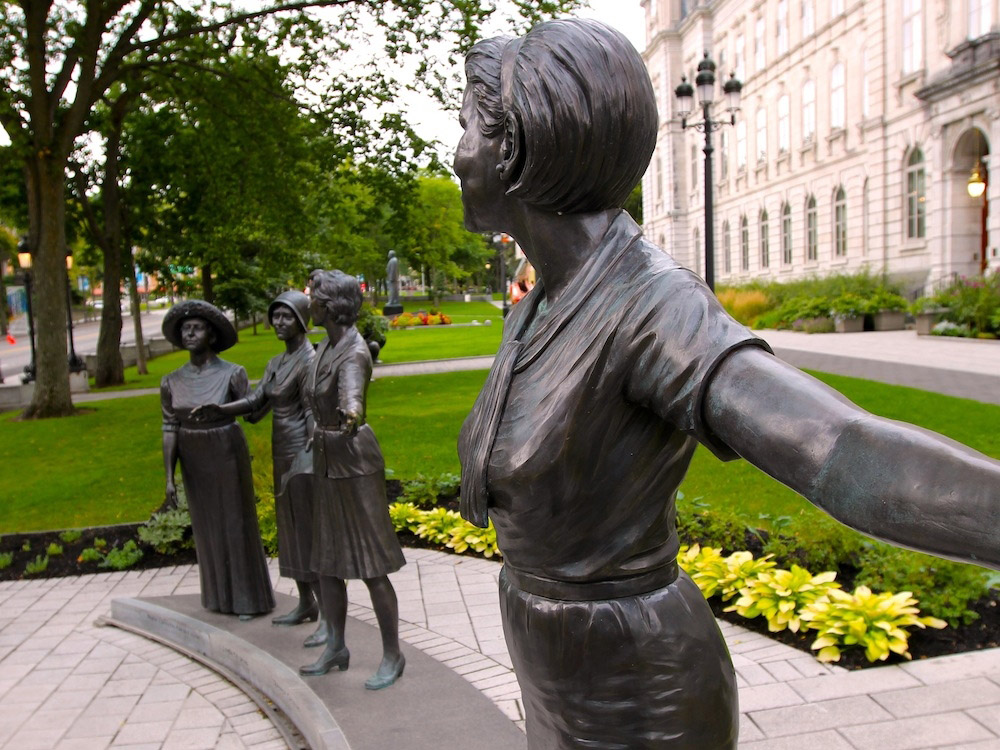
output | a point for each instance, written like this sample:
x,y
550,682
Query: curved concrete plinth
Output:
x,y
422,711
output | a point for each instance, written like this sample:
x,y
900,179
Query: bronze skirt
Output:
x,y
636,672
353,535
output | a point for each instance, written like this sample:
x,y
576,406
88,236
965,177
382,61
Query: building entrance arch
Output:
x,y
969,214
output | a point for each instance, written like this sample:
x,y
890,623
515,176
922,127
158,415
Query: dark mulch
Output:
x,y
983,633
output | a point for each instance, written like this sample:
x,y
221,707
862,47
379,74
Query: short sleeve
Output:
x,y
239,383
170,421
675,338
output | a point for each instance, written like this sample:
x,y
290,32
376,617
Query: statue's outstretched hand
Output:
x,y
206,412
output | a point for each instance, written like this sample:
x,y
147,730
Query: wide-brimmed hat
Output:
x,y
225,334
295,301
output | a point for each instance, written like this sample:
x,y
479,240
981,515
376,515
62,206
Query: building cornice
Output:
x,y
973,61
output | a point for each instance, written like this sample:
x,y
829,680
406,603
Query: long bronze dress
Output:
x,y
353,535
575,449
282,390
215,467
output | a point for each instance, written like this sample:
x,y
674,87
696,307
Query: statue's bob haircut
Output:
x,y
339,293
583,110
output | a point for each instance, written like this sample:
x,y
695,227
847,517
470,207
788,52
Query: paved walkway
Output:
x,y
66,683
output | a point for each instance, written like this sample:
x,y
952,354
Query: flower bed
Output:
x,y
420,318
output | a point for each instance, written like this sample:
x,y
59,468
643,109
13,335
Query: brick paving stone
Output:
x,y
828,740
845,684
755,674
191,739
34,739
988,716
935,731
956,667
762,697
134,733
939,698
816,717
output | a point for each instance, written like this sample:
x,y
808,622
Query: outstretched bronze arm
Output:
x,y
887,479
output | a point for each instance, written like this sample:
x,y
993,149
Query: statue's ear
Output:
x,y
512,149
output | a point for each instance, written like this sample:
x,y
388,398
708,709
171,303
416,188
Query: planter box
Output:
x,y
926,321
854,324
814,325
159,347
129,358
889,320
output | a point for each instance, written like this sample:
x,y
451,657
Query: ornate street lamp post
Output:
x,y
24,260
500,241
76,364
705,83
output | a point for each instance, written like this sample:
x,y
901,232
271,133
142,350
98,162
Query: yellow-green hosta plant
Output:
x,y
780,596
718,575
443,526
875,622
483,541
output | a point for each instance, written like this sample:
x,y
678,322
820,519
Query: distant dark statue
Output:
x,y
282,390
393,306
611,371
353,534
215,462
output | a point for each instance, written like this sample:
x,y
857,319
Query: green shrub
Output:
x,y
875,622
944,589
267,520
819,543
886,299
26,547
54,550
70,536
849,305
122,558
6,559
371,325
424,492
100,544
973,303
169,531
91,554
698,522
39,565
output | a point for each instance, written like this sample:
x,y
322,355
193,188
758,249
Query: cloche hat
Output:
x,y
297,302
225,334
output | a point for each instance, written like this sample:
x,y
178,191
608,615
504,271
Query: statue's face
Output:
x,y
197,335
476,160
317,310
286,325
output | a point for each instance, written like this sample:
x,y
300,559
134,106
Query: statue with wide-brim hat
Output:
x,y
225,334
214,461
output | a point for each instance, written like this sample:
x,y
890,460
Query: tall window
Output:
x,y
741,145
696,252
659,180
812,229
765,242
840,223
761,135
836,8
838,103
744,243
784,127
727,261
912,36
865,86
724,153
786,234
865,218
694,167
808,111
808,18
916,196
738,58
980,17
759,50
782,31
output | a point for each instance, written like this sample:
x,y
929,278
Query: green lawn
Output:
x,y
408,345
105,465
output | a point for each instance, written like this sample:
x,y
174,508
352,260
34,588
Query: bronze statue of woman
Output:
x,y
353,534
214,461
611,371
282,390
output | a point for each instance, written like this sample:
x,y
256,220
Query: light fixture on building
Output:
x,y
705,81
977,185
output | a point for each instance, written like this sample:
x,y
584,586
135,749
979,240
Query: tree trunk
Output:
x,y
3,307
136,304
47,210
207,290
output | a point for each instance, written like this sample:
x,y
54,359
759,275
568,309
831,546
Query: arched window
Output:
x,y
727,262
765,242
786,234
744,243
916,196
840,223
808,111
812,229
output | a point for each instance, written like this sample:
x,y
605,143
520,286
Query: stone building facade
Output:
x,y
860,127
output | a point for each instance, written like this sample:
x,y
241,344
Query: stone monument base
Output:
x,y
392,310
334,711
